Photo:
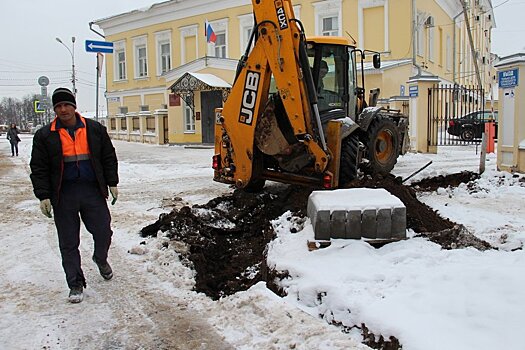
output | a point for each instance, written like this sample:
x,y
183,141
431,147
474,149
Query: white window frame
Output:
x,y
420,34
119,47
364,4
163,38
324,9
184,33
138,44
189,119
245,28
219,27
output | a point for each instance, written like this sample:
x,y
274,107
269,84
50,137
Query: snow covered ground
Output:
x,y
426,297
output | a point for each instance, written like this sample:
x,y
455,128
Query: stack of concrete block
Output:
x,y
357,213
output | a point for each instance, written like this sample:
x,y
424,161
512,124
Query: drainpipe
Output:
x,y
414,38
454,55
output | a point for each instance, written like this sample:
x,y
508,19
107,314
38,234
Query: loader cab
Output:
x,y
333,69
339,87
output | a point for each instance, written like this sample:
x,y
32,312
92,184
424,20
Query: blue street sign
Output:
x,y
99,46
508,78
413,91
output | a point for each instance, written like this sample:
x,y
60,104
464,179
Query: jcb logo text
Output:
x,y
249,97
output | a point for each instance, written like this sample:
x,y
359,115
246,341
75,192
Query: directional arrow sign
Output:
x,y
99,46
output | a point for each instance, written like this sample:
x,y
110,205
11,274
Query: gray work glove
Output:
x,y
114,193
45,207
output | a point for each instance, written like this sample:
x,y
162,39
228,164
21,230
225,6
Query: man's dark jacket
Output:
x,y
47,161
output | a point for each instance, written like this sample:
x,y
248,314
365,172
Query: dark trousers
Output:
x,y
14,147
82,198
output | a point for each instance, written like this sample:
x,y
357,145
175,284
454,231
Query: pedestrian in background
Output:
x,y
73,162
12,136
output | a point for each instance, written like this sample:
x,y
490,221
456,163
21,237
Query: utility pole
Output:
x,y
472,49
72,53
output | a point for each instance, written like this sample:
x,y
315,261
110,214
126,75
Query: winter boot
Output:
x,y
76,295
105,270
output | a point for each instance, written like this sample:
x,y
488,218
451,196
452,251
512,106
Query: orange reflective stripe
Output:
x,y
77,149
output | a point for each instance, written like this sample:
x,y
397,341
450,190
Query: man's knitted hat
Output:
x,y
63,95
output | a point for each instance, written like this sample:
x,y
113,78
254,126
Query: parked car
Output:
x,y
471,126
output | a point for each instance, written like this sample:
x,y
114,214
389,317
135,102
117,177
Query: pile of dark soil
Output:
x,y
452,180
420,217
227,237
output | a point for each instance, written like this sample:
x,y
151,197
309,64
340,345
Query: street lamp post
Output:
x,y
73,78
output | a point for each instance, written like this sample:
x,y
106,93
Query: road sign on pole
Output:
x,y
38,107
99,46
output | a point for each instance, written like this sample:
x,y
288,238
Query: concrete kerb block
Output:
x,y
384,223
338,224
399,222
321,224
353,224
368,223
356,213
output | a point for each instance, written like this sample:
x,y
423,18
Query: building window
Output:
x,y
189,120
220,47
330,26
123,124
163,40
165,57
123,109
328,17
113,123
420,34
245,27
120,60
141,57
142,61
150,124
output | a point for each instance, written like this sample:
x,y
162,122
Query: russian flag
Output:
x,y
210,34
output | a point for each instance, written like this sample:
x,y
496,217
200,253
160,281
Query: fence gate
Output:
x,y
446,104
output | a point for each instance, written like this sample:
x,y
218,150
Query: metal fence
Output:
x,y
447,103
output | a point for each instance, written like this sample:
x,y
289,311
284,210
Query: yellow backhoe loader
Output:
x,y
296,114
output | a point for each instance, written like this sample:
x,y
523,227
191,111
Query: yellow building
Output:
x,y
164,78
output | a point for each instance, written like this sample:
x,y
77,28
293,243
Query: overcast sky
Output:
x,y
29,49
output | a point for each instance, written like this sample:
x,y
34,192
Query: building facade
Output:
x,y
166,75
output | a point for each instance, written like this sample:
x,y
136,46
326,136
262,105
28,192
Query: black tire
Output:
x,y
467,134
382,142
348,165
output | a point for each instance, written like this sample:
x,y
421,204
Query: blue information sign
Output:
x,y
413,91
508,78
99,46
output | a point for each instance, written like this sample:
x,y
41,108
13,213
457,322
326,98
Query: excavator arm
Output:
x,y
279,51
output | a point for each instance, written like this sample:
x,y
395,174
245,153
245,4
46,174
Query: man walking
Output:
x,y
14,139
72,164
